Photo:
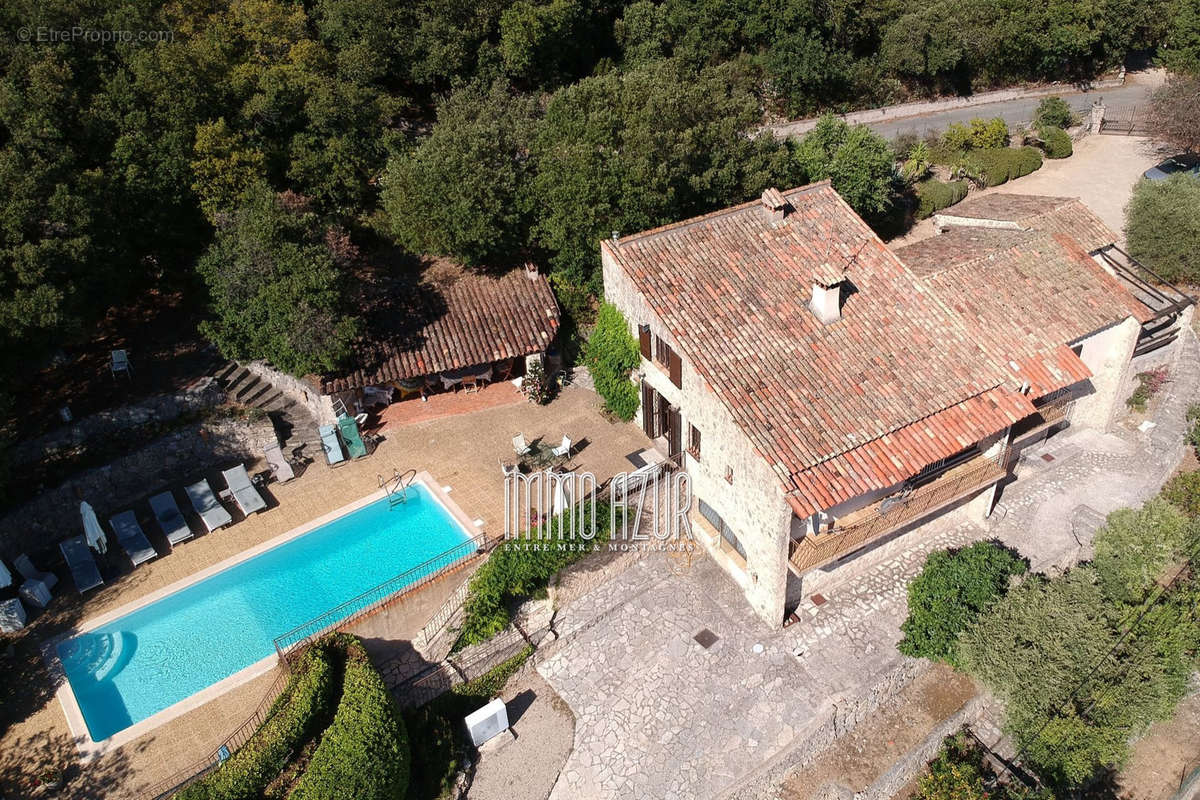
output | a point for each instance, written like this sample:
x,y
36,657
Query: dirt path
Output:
x,y
1164,756
858,759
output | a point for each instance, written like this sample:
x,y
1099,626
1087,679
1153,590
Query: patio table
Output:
x,y
540,456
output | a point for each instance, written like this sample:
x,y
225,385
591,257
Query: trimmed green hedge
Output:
x,y
996,165
934,195
519,568
303,709
364,753
1056,142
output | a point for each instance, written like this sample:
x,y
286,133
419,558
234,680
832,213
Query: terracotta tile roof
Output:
x,y
959,245
1030,299
733,290
1039,213
475,320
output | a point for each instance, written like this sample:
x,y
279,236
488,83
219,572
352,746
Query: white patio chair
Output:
x,y
563,449
520,446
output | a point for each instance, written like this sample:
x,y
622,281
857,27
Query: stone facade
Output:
x,y
752,504
39,524
1107,354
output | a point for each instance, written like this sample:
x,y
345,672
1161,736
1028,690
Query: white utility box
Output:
x,y
487,722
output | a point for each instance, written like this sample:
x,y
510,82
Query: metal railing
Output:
x,y
378,597
396,486
895,511
230,745
443,617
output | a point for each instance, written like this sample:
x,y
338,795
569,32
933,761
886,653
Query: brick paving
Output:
x,y
658,716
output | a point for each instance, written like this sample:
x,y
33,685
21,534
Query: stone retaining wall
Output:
x,y
298,390
183,455
203,394
845,714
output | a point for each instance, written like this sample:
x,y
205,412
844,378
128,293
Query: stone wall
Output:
x,y
752,504
1107,354
302,391
203,394
169,462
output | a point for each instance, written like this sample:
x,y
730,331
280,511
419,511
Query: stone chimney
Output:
x,y
826,302
531,270
775,204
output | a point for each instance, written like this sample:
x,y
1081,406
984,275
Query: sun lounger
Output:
x,y
31,573
79,560
170,519
244,493
280,467
354,443
133,540
213,514
331,445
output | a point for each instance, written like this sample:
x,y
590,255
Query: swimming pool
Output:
x,y
134,666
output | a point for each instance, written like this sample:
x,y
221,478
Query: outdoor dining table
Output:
x,y
540,456
454,377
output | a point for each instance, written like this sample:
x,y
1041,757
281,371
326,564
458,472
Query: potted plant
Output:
x,y
49,778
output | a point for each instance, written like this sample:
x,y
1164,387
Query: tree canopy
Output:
x,y
1162,226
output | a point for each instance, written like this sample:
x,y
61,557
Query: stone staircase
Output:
x,y
294,425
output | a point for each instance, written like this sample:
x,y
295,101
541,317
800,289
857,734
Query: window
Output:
x,y
730,538
694,442
662,351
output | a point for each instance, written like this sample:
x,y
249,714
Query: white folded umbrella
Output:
x,y
92,530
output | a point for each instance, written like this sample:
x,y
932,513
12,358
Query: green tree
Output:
x,y
952,590
819,146
1162,227
863,172
1182,44
225,167
1134,549
276,292
458,192
611,355
1173,118
1053,112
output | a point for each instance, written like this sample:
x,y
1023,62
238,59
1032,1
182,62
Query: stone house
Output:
x,y
825,393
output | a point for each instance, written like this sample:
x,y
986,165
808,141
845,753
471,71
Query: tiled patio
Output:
x,y
461,451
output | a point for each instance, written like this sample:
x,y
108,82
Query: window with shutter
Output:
x,y
694,442
675,366
644,340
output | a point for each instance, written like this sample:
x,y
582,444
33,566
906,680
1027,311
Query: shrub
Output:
x,y
364,753
1053,112
611,354
994,166
1055,142
960,773
1149,384
1135,547
957,137
1162,225
298,714
1193,429
514,571
953,589
934,195
1183,492
537,386
989,133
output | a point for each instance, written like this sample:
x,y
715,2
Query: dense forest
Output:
x,y
247,149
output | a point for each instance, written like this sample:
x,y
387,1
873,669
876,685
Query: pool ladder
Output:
x,y
397,486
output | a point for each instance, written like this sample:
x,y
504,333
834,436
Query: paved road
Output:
x,y
1014,112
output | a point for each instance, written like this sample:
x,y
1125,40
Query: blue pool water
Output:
x,y
149,659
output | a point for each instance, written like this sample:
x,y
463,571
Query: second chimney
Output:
x,y
775,203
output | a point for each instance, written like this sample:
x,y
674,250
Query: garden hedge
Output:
x,y
1056,142
996,165
303,709
364,753
934,195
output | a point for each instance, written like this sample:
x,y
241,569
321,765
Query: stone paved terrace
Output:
x,y
658,716
460,451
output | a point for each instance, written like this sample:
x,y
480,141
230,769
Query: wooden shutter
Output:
x,y
648,419
694,442
674,433
644,340
675,365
